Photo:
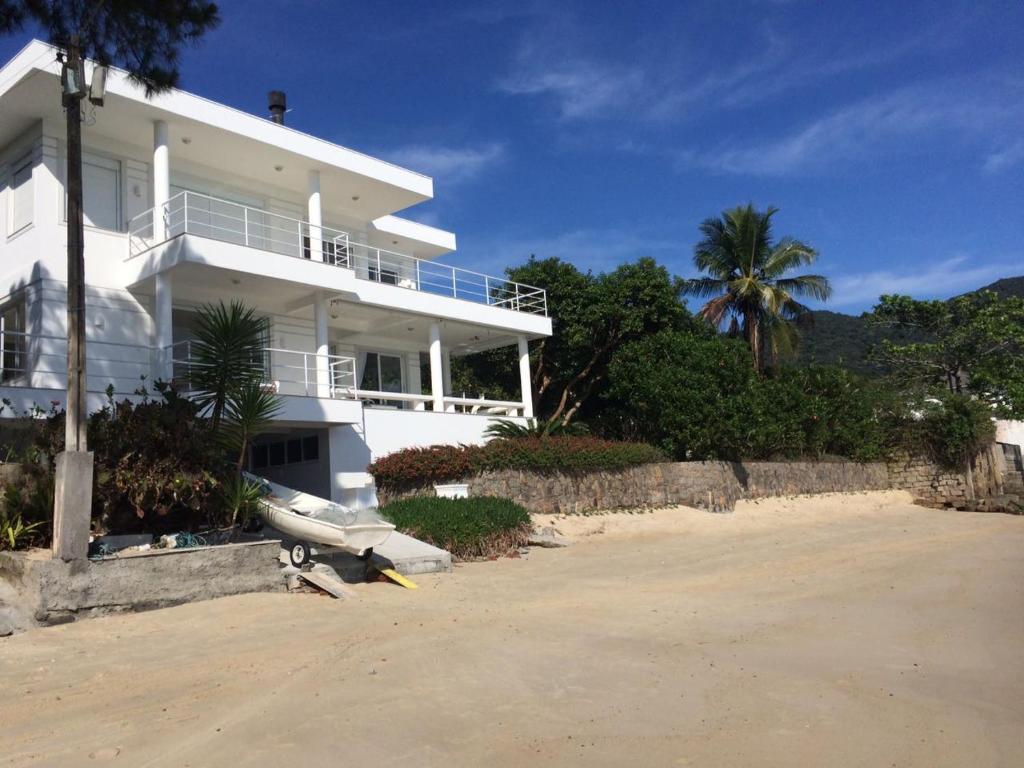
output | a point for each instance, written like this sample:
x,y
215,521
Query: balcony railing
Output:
x,y
204,216
38,361
286,371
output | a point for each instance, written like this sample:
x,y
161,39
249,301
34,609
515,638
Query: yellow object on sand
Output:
x,y
398,578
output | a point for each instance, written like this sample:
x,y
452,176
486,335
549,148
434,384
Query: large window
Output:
x,y
383,373
101,191
280,453
21,195
12,341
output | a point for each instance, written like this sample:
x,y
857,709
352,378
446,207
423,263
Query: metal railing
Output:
x,y
286,371
40,362
204,216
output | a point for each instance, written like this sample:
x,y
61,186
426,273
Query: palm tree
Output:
x,y
746,276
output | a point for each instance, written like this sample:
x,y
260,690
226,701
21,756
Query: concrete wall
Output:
x,y
715,485
1010,432
52,590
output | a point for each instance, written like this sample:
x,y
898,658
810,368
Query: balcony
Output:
x,y
191,213
36,365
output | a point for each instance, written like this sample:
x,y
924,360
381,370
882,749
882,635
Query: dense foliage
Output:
x,y
421,467
157,464
468,528
697,397
973,344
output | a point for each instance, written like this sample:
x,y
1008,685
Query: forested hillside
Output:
x,y
834,338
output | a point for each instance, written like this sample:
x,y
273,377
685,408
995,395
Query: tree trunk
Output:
x,y
753,333
77,411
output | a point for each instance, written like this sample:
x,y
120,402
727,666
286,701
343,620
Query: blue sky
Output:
x,y
890,135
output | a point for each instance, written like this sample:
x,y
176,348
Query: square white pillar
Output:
x,y
315,214
436,374
161,180
525,380
163,312
323,367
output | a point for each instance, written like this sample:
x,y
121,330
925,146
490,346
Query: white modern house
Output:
x,y
189,202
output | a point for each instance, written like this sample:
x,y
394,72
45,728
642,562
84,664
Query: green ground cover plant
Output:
x,y
472,528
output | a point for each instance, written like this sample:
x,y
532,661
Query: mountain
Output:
x,y
832,338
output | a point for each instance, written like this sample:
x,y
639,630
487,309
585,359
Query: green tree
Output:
x,y
748,283
594,316
974,344
688,393
696,396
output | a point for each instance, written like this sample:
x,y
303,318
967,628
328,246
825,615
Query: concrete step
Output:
x,y
405,554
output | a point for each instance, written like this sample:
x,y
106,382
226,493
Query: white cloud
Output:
x,y
596,249
581,88
942,279
856,130
449,165
1008,157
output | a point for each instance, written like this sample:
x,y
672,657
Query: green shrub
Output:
x,y
481,526
420,467
948,428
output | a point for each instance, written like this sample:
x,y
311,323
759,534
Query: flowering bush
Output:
x,y
419,467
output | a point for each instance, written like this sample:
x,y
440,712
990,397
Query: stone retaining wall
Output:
x,y
52,590
934,484
714,485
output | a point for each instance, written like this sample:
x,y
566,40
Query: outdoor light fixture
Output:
x,y
98,86
72,81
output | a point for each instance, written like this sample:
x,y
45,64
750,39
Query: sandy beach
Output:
x,y
853,630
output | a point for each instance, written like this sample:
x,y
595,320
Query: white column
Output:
x,y
315,214
436,375
323,368
161,179
524,377
446,373
163,325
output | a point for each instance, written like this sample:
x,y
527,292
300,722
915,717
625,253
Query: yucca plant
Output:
x,y
226,354
506,429
250,408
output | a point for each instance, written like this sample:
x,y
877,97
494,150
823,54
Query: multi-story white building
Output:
x,y
189,202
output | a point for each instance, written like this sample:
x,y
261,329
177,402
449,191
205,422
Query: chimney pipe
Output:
x,y
277,106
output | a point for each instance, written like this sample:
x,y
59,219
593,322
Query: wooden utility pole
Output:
x,y
72,502
77,411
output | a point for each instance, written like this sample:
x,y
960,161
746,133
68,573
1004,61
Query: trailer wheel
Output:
x,y
298,553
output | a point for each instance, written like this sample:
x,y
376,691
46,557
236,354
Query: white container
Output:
x,y
452,491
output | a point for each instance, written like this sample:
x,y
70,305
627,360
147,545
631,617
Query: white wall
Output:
x,y
353,447
1010,432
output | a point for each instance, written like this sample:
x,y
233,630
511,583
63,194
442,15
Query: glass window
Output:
x,y
21,196
294,451
383,373
12,341
311,448
390,373
101,191
260,456
371,373
277,454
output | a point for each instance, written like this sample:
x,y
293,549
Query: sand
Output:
x,y
835,631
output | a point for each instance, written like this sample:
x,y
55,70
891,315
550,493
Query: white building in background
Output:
x,y
189,202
